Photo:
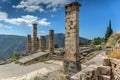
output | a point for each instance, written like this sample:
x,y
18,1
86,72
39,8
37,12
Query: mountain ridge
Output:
x,y
16,43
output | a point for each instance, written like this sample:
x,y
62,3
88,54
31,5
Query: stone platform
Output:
x,y
31,57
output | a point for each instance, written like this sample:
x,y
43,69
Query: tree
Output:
x,y
56,46
109,31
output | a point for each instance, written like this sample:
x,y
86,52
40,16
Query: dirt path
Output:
x,y
14,70
97,60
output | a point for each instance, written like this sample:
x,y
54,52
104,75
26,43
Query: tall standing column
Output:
x,y
71,56
29,44
35,43
51,41
42,43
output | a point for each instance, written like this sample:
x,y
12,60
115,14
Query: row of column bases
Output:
x,y
34,45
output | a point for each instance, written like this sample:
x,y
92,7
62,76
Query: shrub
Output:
x,y
115,54
16,55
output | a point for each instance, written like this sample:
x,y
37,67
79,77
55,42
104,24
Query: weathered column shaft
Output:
x,y
42,43
35,43
29,44
51,41
71,57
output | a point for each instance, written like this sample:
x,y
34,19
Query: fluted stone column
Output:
x,y
42,43
35,43
51,41
29,44
71,56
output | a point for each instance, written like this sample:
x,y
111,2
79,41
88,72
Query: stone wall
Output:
x,y
110,70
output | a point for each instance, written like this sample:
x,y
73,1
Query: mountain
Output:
x,y
60,38
12,43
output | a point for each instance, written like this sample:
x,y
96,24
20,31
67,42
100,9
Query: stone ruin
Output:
x,y
29,44
71,59
51,41
35,44
42,43
71,56
35,41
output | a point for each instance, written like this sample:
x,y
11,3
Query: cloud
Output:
x,y
26,20
5,26
37,5
44,22
42,33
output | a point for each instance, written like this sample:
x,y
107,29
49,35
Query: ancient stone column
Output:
x,y
35,43
71,56
51,41
42,43
29,44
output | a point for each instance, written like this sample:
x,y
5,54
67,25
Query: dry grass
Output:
x,y
115,54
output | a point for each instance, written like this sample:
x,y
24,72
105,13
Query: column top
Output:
x,y
34,23
72,6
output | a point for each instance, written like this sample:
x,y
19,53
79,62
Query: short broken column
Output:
x,y
42,43
29,44
51,41
71,56
35,43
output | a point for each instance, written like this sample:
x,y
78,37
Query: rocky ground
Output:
x,y
14,71
49,70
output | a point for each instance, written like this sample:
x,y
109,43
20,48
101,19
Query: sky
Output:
x,y
17,16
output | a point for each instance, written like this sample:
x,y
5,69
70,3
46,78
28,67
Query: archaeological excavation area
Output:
x,y
74,61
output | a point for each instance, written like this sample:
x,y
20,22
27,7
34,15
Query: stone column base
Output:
x,y
71,67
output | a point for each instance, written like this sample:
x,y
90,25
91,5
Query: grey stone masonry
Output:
x,y
29,44
51,41
71,56
35,43
42,43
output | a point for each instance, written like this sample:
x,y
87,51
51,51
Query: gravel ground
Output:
x,y
15,70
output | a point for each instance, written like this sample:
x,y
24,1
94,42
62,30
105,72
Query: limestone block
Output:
x,y
106,62
104,70
103,77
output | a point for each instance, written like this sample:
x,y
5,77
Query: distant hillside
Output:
x,y
60,38
12,43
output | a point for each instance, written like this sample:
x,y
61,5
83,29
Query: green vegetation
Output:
x,y
16,55
85,43
97,41
36,78
109,31
56,46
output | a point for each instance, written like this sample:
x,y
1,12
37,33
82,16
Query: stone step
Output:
x,y
31,57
